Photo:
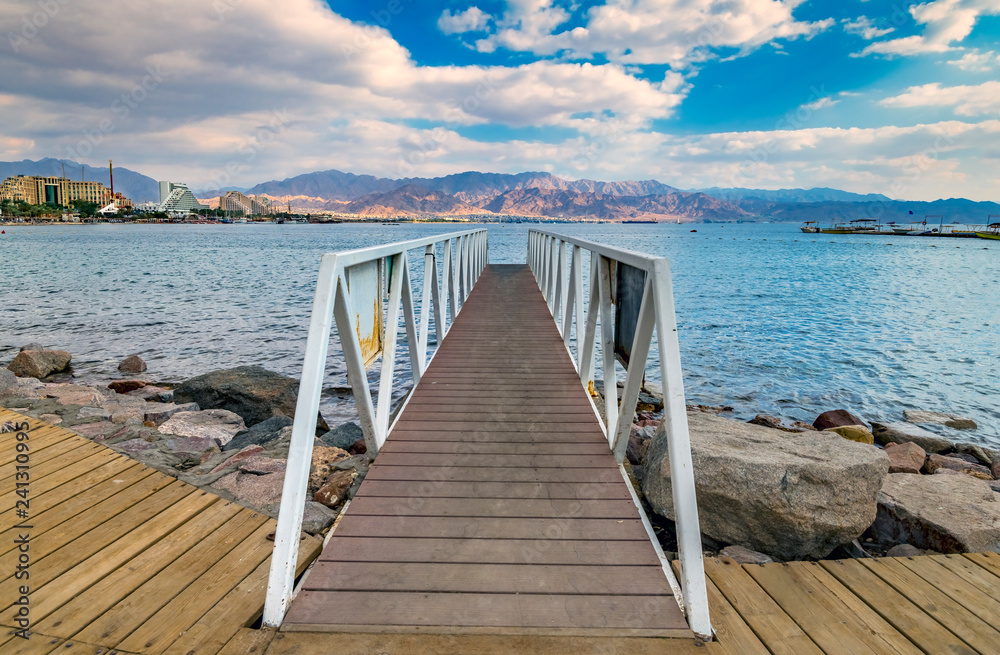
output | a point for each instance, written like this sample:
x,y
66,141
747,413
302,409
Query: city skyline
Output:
x,y
870,97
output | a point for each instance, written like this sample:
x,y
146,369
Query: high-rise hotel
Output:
x,y
58,191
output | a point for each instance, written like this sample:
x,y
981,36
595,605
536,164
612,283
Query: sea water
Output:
x,y
770,319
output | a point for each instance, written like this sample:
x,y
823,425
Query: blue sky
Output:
x,y
878,96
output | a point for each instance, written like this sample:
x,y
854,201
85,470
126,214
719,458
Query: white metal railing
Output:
x,y
351,291
549,255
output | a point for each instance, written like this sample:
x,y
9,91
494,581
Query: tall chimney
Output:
x,y
111,178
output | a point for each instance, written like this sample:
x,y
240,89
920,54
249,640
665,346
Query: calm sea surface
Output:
x,y
771,320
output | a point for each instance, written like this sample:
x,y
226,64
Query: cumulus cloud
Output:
x,y
967,100
821,103
945,22
472,19
977,62
865,27
649,31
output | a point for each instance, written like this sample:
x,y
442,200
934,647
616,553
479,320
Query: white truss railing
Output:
x,y
366,333
549,256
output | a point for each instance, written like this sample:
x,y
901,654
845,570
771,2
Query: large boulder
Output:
x,y
945,513
836,418
217,424
132,364
253,392
941,418
789,496
8,382
39,363
937,462
905,458
262,433
886,433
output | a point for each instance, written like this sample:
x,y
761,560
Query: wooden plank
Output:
x,y
238,609
767,620
492,474
489,551
107,592
976,576
905,616
487,578
551,490
493,448
135,609
445,460
733,636
960,587
35,644
185,609
989,561
471,435
40,442
493,528
73,507
493,508
60,469
820,614
89,571
248,641
504,613
968,627
577,426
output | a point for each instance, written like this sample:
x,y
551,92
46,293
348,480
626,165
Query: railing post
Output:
x,y
586,365
430,283
608,349
637,367
572,299
553,263
679,446
560,286
389,349
284,557
450,281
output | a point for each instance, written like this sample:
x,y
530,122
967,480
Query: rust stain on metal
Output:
x,y
371,344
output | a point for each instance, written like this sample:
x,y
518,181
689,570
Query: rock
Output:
x,y
218,424
316,517
945,513
710,409
259,465
935,462
34,345
343,436
648,402
155,394
907,433
335,489
93,412
98,431
638,443
51,419
995,485
191,450
995,469
74,394
254,490
125,386
323,460
39,363
904,550
8,381
253,392
776,423
132,364
265,432
744,555
158,413
790,498
125,409
857,433
242,455
985,456
905,458
133,446
942,418
836,418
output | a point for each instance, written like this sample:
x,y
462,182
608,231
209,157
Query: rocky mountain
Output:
x,y
136,186
408,200
952,210
573,204
819,194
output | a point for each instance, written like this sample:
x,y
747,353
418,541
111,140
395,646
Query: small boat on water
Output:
x,y
857,226
992,232
810,227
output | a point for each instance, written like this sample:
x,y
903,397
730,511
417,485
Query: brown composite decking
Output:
x,y
495,505
124,558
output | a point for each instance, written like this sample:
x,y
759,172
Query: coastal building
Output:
x,y
234,201
176,198
57,191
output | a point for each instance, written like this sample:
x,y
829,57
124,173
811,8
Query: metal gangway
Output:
x,y
498,501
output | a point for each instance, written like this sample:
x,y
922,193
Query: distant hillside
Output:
x,y
408,200
821,194
953,210
572,204
136,186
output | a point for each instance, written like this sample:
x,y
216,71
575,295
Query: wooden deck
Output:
x,y
124,557
495,505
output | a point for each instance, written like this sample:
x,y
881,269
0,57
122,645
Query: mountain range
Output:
x,y
539,194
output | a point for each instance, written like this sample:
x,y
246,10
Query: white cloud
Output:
x,y
865,27
978,62
472,19
822,103
946,22
967,100
676,32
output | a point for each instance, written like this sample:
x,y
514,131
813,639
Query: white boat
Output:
x,y
809,227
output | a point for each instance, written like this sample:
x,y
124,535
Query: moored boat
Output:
x,y
809,227
992,231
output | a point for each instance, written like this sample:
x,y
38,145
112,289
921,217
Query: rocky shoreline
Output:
x,y
769,489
